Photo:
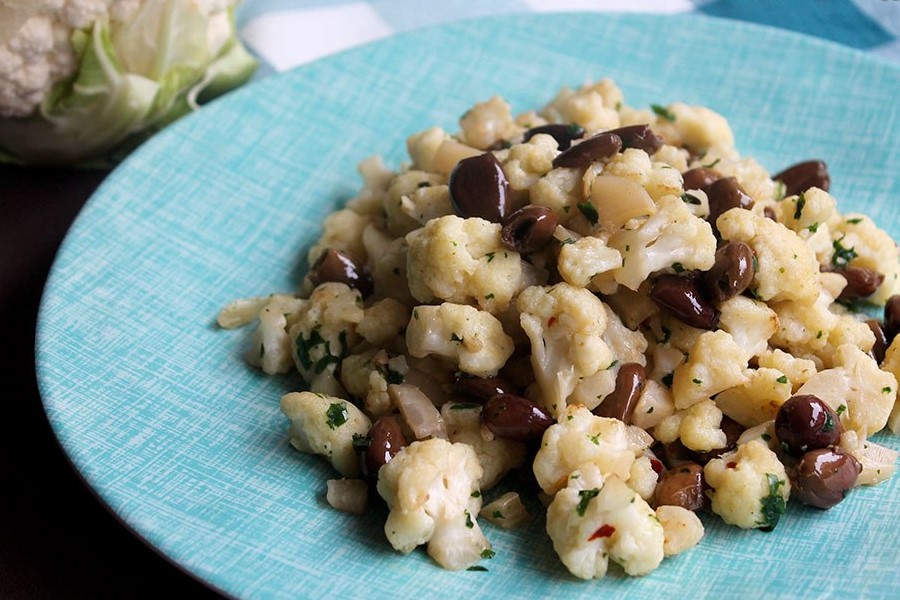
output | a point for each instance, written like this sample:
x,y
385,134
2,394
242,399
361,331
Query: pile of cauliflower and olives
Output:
x,y
611,302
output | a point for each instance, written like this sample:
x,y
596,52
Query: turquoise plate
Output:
x,y
187,445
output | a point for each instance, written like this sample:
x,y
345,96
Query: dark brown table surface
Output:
x,y
56,539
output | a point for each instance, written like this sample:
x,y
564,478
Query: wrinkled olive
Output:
x,y
682,486
339,267
732,430
804,422
528,229
385,441
732,272
725,194
563,134
699,178
824,476
602,145
620,403
892,318
514,417
861,282
478,188
638,136
802,176
684,298
881,342
483,388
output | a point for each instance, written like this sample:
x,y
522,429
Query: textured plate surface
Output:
x,y
184,442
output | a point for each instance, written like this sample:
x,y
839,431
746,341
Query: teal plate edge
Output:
x,y
186,445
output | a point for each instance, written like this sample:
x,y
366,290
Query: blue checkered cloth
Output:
x,y
287,33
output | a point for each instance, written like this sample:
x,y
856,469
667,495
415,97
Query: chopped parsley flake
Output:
x,y
662,111
455,338
819,335
315,351
691,199
589,211
476,568
476,494
854,221
829,423
886,390
765,437
464,405
336,415
782,379
586,497
773,505
755,262
678,267
595,439
469,522
498,515
697,381
612,364
842,256
813,228
568,240
801,204
488,553
490,256
489,296
360,442
712,164
780,191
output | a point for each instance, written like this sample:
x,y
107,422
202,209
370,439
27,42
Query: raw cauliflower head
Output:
x,y
428,487
326,425
595,519
581,438
462,261
473,339
565,325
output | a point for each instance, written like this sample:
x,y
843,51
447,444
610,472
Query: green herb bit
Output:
x,y
490,256
842,256
661,111
336,415
469,522
476,568
829,423
886,390
568,240
840,409
697,381
782,379
595,439
855,221
712,164
612,364
589,211
476,494
780,191
360,442
489,296
455,338
488,553
498,515
765,437
813,228
678,267
773,505
801,203
586,497
392,376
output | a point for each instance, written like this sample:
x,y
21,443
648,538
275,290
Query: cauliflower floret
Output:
x,y
715,363
682,528
593,106
855,382
462,261
596,518
788,268
342,230
699,127
797,370
389,272
654,404
565,325
270,345
472,338
581,260
428,487
496,455
529,161
414,198
325,425
657,178
872,248
368,375
560,191
671,235
324,332
758,400
749,322
698,427
749,485
808,211
580,438
891,364
878,462
383,321
487,123
643,477
376,179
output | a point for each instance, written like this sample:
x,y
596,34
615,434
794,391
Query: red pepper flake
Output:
x,y
603,532
731,465
551,321
656,466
